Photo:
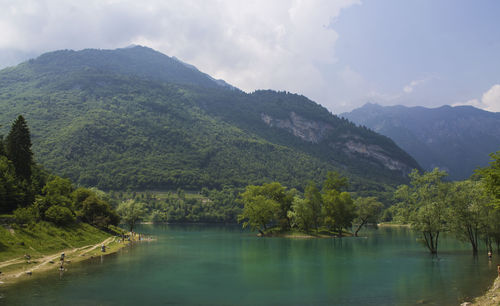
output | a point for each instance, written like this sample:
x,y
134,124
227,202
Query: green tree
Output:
x,y
60,215
367,210
427,200
131,212
315,202
258,212
338,210
470,207
491,177
334,181
18,148
11,193
302,214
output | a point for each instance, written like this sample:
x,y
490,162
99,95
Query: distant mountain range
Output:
x,y
134,118
457,139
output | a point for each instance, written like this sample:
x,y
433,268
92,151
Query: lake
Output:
x,y
224,265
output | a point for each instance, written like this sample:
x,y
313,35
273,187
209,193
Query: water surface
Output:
x,y
223,265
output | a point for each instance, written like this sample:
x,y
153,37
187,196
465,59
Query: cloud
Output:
x,y
410,87
279,44
490,100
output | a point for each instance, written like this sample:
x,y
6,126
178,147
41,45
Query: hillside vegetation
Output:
x,y
137,119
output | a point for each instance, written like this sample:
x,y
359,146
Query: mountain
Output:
x,y
457,139
134,118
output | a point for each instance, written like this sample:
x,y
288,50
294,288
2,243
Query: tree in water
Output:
x,y
470,208
368,210
338,207
18,148
427,198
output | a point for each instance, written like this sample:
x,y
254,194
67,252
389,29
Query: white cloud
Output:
x,y
410,87
490,100
279,44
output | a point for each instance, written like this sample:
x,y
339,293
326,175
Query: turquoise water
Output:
x,y
223,265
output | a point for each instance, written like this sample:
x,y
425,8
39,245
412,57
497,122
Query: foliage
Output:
x,y
59,215
11,191
368,210
424,203
267,205
131,212
25,215
491,177
137,120
18,148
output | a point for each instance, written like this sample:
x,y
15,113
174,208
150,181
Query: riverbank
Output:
x,y
30,251
490,298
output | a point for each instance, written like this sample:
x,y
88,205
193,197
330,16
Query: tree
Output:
x,y
491,177
368,210
314,201
302,214
258,212
257,215
11,193
131,212
18,148
470,207
426,199
334,181
338,210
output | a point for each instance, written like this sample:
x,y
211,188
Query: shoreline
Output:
x,y
16,270
490,298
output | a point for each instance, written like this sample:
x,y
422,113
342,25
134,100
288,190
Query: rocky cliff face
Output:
x,y
352,145
311,131
377,153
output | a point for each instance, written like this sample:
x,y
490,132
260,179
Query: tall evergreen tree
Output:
x,y
18,148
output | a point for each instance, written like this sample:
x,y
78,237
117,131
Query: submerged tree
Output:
x,y
368,210
470,207
426,199
18,148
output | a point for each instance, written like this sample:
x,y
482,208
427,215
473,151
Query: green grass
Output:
x,y
45,238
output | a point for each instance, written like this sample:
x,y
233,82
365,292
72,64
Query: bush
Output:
x,y
60,215
25,215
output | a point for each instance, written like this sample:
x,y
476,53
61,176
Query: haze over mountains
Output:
x,y
457,139
135,118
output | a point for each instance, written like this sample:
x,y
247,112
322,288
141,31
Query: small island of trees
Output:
x,y
273,209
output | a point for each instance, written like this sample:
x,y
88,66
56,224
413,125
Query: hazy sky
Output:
x,y
340,54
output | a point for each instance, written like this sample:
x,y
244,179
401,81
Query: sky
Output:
x,y
339,53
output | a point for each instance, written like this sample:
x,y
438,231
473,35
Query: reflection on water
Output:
x,y
223,265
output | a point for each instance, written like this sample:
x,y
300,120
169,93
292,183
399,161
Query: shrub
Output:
x,y
59,215
24,215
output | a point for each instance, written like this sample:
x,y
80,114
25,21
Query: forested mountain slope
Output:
x,y
456,139
134,118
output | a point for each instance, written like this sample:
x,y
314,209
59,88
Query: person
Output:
x,y
498,268
489,255
103,248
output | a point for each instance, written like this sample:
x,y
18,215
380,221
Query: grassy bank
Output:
x,y
44,242
43,238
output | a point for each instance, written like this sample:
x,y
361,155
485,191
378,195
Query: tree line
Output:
x,y
468,209
31,194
